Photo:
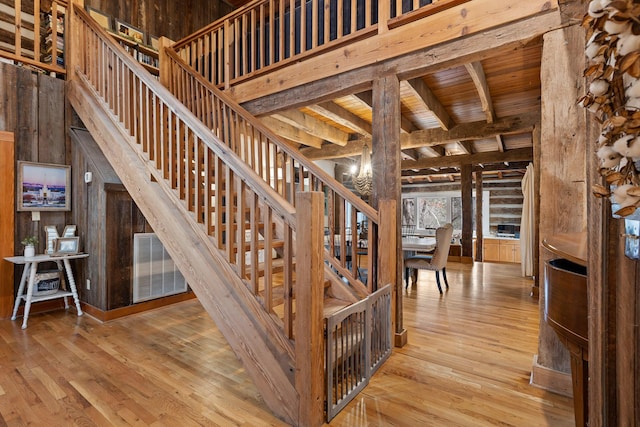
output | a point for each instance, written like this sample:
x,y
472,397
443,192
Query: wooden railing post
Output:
x,y
164,64
309,326
384,14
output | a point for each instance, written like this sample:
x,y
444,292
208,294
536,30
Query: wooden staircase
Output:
x,y
211,197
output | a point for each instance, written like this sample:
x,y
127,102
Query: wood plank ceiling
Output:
x,y
446,113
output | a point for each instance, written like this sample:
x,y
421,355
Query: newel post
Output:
x,y
163,61
72,41
309,327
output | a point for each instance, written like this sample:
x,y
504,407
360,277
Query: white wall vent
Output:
x,y
155,274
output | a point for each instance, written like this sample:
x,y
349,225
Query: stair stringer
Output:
x,y
267,355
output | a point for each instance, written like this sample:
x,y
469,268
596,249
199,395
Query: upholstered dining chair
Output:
x,y
435,262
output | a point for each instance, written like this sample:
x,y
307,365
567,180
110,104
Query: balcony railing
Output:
x,y
38,34
267,34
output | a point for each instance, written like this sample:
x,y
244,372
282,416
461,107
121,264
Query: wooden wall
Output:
x,y
107,218
169,18
32,107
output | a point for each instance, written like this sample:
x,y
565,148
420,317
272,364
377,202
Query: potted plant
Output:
x,y
29,243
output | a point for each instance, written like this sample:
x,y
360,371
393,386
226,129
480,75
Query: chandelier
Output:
x,y
363,181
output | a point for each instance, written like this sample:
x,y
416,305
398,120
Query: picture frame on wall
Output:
x,y
154,42
409,211
129,31
103,19
43,187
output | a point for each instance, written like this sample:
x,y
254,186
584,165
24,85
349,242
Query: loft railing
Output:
x,y
38,34
267,34
285,170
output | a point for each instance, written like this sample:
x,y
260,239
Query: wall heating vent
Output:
x,y
154,273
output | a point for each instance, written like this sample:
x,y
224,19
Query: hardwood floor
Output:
x,y
467,364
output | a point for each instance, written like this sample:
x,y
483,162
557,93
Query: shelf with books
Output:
x,y
53,33
146,55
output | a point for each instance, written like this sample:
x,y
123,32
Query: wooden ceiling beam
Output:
x,y
473,131
466,146
434,137
313,126
476,72
491,167
435,151
411,154
430,102
292,133
366,98
346,118
519,155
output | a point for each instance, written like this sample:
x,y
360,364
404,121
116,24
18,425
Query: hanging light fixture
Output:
x,y
363,181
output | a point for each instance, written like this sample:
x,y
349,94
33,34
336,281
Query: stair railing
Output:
x,y
350,223
201,172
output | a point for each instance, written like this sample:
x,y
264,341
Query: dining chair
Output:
x,y
435,262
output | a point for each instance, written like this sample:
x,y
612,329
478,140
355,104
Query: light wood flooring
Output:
x,y
467,364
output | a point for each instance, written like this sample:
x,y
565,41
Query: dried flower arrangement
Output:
x,y
613,52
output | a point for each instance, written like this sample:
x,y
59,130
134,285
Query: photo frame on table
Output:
x,y
43,187
103,19
51,234
66,246
129,31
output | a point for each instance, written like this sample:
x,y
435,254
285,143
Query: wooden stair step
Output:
x,y
277,266
275,244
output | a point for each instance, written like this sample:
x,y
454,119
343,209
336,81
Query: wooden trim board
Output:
x,y
105,316
7,221
550,379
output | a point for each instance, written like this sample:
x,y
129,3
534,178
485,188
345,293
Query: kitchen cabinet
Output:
x,y
501,250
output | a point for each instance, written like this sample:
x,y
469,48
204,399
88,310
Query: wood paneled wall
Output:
x,y
169,18
107,218
32,107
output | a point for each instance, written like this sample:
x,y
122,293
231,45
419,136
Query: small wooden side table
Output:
x,y
30,269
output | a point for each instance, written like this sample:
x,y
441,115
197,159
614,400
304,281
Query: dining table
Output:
x,y
418,243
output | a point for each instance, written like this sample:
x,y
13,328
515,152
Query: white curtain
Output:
x,y
527,223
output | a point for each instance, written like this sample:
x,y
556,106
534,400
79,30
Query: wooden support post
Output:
x,y
479,220
163,63
387,188
563,191
467,210
7,221
309,303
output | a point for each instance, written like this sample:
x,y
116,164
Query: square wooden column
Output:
x,y
7,221
387,189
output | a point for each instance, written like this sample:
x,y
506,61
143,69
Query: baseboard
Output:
x,y
550,379
105,316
